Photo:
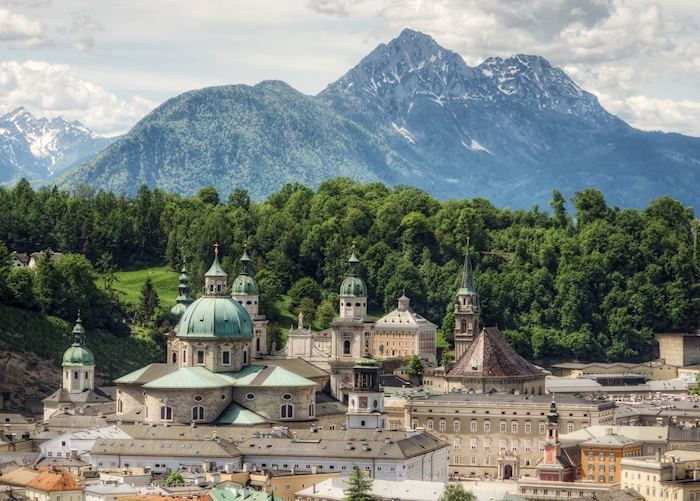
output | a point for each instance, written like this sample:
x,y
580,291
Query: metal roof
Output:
x,y
164,448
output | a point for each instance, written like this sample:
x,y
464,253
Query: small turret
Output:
x,y
184,299
78,362
353,291
215,279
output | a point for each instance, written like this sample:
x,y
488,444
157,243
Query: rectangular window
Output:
x,y
472,444
541,428
473,426
472,460
503,444
184,357
487,445
456,443
429,424
487,460
528,446
456,425
487,427
226,357
514,444
570,428
528,428
456,460
502,427
514,428
200,356
443,425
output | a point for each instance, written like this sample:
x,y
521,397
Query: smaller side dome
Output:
x,y
184,299
78,353
353,286
245,284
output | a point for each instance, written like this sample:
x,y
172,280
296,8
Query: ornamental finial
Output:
x,y
354,244
216,249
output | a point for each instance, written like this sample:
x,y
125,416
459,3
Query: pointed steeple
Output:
x,y
245,284
215,270
184,298
353,263
466,286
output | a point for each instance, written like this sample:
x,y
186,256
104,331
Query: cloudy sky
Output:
x,y
109,62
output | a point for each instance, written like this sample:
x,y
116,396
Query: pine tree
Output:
x,y
359,486
415,366
455,492
149,302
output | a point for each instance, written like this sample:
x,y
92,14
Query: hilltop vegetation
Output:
x,y
591,284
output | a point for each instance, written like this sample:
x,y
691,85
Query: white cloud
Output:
x,y
330,7
54,89
20,31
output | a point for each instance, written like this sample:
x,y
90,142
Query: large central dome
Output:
x,y
215,316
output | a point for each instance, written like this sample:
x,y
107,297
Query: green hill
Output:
x,y
129,284
32,345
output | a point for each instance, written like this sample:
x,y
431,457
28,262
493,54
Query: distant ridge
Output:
x,y
413,112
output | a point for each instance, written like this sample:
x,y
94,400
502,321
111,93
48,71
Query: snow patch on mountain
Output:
x,y
405,133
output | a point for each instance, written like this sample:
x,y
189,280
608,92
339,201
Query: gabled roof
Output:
x,y
146,374
402,319
260,375
164,448
236,414
189,378
55,482
610,441
490,355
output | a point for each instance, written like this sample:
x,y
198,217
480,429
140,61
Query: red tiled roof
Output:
x,y
52,482
490,355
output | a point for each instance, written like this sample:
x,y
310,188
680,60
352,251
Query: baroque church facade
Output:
x,y
353,333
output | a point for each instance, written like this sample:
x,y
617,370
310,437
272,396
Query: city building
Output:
x,y
651,370
77,444
601,457
499,435
556,465
679,349
386,455
467,310
673,476
404,333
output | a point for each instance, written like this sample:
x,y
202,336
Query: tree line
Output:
x,y
592,284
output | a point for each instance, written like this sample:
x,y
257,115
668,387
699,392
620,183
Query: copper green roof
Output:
x,y
466,286
189,378
216,270
215,316
184,299
353,286
236,414
78,353
267,376
230,492
146,374
244,285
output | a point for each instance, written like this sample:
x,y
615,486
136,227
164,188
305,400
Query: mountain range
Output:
x,y
410,112
41,148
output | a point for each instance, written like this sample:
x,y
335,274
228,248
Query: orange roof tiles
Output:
x,y
52,482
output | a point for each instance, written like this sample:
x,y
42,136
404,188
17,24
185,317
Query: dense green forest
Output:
x,y
592,283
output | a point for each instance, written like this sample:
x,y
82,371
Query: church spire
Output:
x,y
246,268
78,332
467,283
184,298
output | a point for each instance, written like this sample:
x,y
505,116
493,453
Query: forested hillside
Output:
x,y
592,283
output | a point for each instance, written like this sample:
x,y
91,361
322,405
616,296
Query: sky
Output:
x,y
109,62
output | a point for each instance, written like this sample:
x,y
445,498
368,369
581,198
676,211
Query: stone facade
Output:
x,y
679,349
497,436
268,402
217,355
182,403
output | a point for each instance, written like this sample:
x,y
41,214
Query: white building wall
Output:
x,y
161,464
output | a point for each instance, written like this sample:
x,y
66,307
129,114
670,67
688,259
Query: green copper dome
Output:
x,y
78,353
184,299
353,286
215,316
245,284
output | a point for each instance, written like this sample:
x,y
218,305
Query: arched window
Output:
x,y
174,357
166,413
120,406
286,411
197,413
75,374
218,288
346,347
312,410
245,356
257,344
464,325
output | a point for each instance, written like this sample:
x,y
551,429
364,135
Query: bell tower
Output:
x,y
366,398
467,310
78,363
215,279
